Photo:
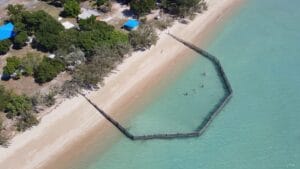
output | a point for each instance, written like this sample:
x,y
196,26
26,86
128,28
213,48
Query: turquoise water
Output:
x,y
183,105
260,127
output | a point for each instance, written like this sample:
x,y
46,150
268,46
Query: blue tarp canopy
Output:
x,y
131,24
6,31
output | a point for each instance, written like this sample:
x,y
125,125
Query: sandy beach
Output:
x,y
75,120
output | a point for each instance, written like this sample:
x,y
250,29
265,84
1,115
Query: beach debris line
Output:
x,y
203,125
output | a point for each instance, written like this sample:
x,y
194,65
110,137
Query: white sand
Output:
x,y
72,119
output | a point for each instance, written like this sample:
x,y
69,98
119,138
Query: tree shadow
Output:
x,y
123,2
128,13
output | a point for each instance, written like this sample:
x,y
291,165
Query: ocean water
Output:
x,y
259,48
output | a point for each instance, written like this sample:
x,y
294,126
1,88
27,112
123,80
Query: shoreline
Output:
x,y
74,121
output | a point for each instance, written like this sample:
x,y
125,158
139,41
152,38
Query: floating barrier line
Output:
x,y
206,122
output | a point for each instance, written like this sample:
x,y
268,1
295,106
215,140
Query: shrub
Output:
x,y
143,38
71,8
29,63
163,23
47,36
183,8
4,46
20,40
142,7
26,121
17,105
3,138
12,65
48,70
4,97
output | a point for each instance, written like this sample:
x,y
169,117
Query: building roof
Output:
x,y
131,24
6,31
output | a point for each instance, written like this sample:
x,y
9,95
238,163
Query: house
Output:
x,y
7,31
131,24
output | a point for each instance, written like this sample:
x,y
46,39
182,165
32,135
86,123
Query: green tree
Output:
x,y
48,70
17,105
142,7
183,8
47,35
20,40
15,12
71,8
4,46
12,65
45,28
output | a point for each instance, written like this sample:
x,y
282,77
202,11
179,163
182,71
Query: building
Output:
x,y
131,24
7,31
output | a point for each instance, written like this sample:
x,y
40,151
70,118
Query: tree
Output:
x,y
143,38
12,65
45,28
17,105
142,7
71,8
183,8
48,70
4,46
15,12
20,40
47,35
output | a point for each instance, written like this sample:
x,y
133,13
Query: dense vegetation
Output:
x,y
12,65
4,46
48,69
142,7
71,8
92,33
18,108
183,8
43,70
38,23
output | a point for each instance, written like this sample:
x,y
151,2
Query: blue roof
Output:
x,y
6,31
131,24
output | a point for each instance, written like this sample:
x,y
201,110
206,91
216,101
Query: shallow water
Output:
x,y
259,128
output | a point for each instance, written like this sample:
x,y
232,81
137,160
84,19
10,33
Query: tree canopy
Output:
x,y
39,23
71,8
48,69
4,46
142,7
183,8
